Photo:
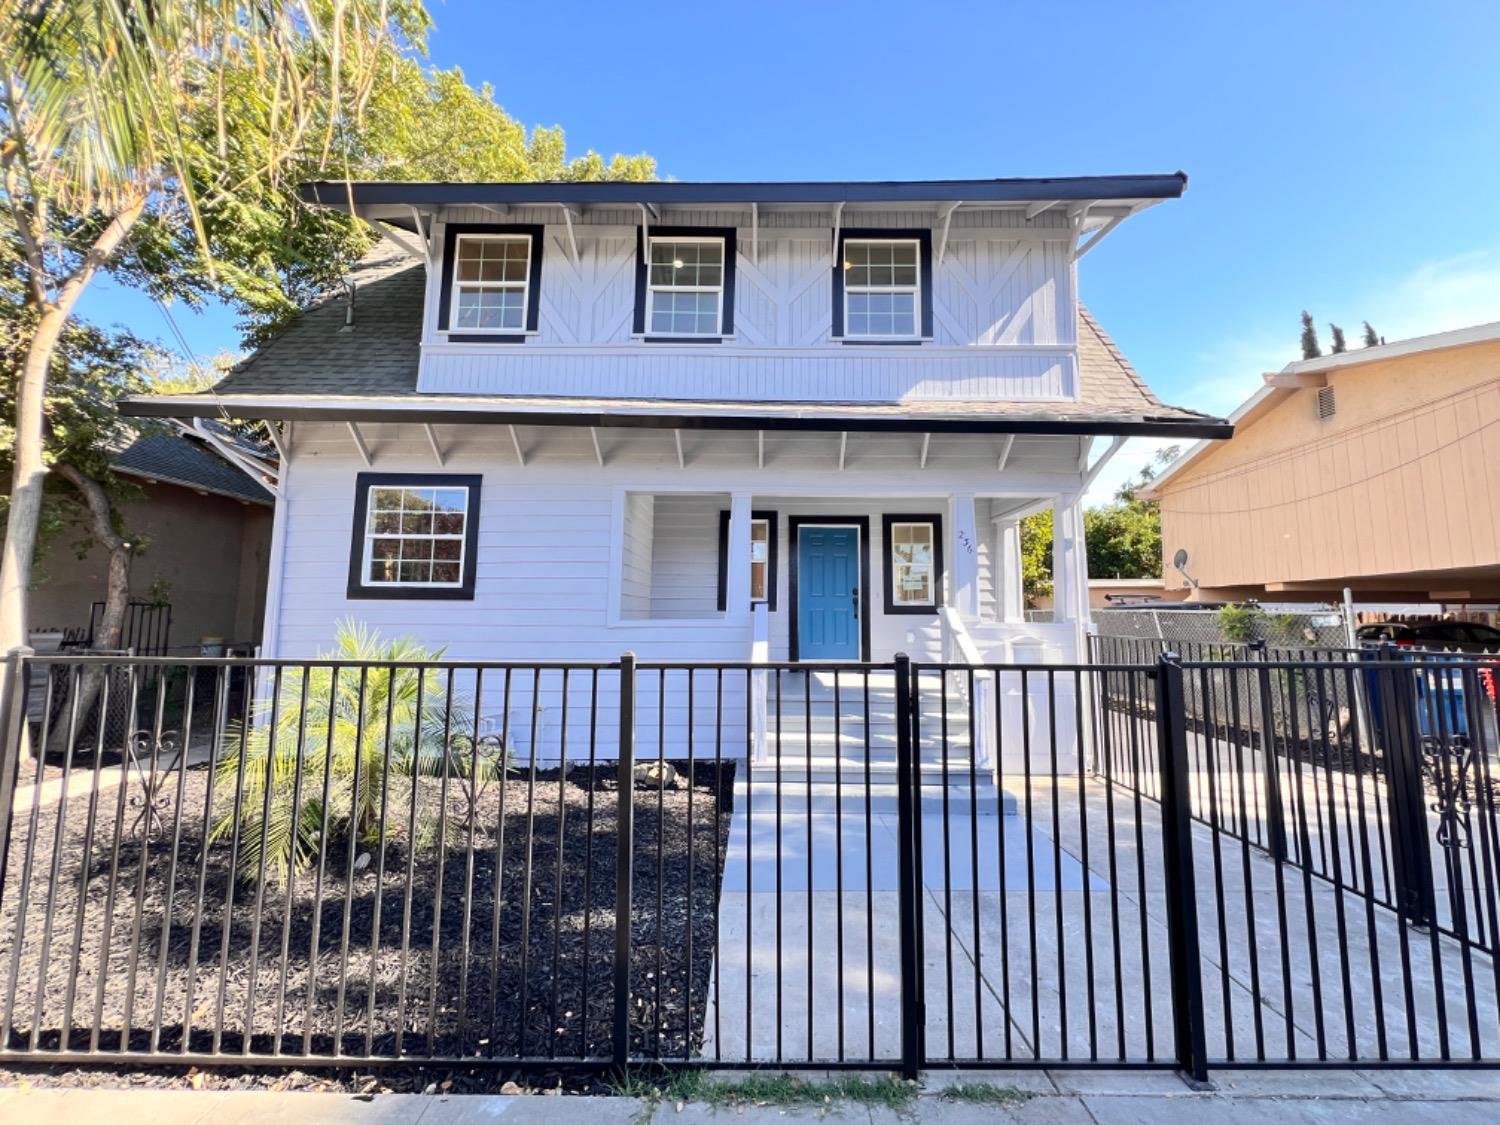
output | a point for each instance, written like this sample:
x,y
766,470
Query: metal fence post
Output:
x,y
624,863
913,1015
1270,775
1401,742
12,740
1181,883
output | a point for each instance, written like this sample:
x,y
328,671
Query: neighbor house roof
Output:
x,y
318,366
1277,386
181,460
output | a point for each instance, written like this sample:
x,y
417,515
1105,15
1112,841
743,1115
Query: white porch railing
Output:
x,y
760,653
959,648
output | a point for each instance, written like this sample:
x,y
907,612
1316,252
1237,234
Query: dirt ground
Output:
x,y
448,942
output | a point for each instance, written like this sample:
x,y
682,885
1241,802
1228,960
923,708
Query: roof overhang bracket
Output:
x,y
1104,459
1005,447
499,210
681,458
415,245
598,449
947,216
755,233
359,443
1077,213
838,219
843,448
926,443
262,475
568,214
760,448
432,441
515,440
1098,236
1035,209
647,212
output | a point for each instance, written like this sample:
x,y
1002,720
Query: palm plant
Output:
x,y
310,765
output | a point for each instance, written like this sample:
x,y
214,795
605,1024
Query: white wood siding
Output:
x,y
685,556
1004,318
636,573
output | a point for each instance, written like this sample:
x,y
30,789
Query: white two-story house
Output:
x,y
702,422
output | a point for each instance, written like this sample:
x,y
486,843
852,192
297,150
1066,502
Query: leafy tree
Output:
x,y
1036,556
1371,340
1310,348
1124,536
125,124
1338,339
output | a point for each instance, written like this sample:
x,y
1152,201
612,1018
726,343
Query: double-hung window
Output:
x,y
414,536
914,563
491,279
685,283
882,289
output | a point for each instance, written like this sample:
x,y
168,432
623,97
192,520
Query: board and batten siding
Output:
x,y
1004,319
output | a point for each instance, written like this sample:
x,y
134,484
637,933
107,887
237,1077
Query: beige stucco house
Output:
x,y
1376,469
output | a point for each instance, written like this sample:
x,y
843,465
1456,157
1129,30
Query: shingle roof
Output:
x,y
316,354
316,360
179,459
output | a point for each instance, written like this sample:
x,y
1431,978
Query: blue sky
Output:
x,y
1341,157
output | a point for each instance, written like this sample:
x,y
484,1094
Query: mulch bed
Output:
x,y
429,981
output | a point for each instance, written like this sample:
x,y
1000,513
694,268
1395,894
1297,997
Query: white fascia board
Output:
x,y
1193,451
1457,338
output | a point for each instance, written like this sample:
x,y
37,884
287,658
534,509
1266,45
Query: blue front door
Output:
x,y
828,593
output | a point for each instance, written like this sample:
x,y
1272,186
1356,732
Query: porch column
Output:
x,y
1010,600
1070,574
963,555
737,573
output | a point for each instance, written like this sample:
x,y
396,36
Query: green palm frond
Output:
x,y
347,730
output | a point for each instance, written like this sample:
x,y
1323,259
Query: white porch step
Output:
x,y
826,798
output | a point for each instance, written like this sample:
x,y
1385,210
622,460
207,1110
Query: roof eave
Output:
x,y
292,408
1151,186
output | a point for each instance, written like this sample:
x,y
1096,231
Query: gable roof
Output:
x,y
318,365
1271,393
178,459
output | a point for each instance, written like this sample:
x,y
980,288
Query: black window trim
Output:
x,y
730,235
363,483
923,239
533,282
888,569
772,557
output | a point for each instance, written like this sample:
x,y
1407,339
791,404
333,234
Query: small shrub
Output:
x,y
407,712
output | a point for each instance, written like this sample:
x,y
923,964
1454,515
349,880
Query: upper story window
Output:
x,y
490,274
415,536
914,563
685,285
491,282
881,286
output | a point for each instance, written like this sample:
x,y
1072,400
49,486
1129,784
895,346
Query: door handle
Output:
x,y
854,596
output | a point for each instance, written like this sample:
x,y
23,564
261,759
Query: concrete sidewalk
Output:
x,y
1095,1097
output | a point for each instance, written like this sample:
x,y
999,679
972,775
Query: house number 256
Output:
x,y
965,542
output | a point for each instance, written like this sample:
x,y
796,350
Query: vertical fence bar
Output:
x,y
1275,828
12,728
1177,848
624,847
913,1017
1400,740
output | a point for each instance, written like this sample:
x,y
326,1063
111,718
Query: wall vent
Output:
x,y
1326,405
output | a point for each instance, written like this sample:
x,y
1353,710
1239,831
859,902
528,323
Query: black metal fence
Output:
x,y
1120,863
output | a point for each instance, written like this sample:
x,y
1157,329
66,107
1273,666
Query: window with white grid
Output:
x,y
912,570
882,288
685,287
491,279
415,536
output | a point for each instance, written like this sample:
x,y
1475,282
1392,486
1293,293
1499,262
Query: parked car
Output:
x,y
1457,636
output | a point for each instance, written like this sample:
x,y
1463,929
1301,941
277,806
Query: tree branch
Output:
x,y
100,252
97,501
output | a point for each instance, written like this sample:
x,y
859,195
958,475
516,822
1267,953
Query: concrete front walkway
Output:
x,y
1091,1098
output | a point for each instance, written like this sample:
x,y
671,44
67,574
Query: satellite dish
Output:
x,y
1179,563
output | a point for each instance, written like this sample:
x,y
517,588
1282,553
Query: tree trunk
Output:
x,y
30,469
116,601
